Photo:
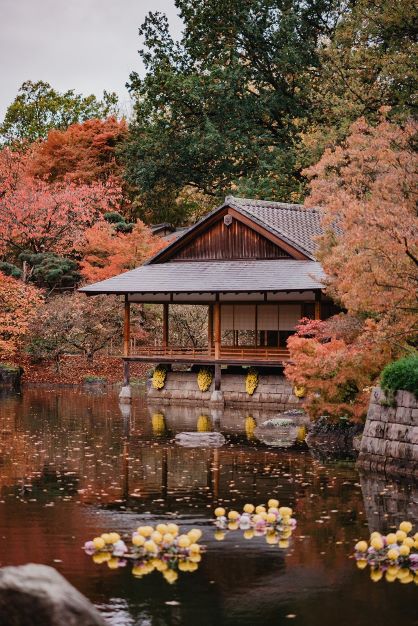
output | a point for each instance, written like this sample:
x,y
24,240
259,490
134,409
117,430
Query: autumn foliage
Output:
x,y
83,153
366,188
106,252
19,304
39,216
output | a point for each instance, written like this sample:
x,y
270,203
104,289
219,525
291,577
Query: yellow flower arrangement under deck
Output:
x,y
251,381
158,377
204,378
299,391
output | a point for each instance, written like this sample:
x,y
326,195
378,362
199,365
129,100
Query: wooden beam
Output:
x,y
210,328
165,324
217,328
318,295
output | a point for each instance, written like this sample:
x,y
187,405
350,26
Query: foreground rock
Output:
x,y
37,595
200,440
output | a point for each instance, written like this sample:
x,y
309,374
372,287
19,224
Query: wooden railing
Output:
x,y
232,353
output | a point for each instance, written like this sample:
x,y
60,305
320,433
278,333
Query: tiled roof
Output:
x,y
293,222
215,276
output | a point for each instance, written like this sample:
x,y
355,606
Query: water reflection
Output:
x,y
75,464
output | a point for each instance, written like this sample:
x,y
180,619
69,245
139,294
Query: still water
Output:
x,y
73,464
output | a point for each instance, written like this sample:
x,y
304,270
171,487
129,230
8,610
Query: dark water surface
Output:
x,y
73,464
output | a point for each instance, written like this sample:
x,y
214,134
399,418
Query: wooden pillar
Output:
x,y
126,340
217,327
217,378
318,305
165,325
210,329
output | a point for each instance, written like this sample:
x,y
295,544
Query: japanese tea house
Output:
x,y
252,263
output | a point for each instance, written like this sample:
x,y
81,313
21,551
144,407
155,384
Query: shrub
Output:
x,y
402,374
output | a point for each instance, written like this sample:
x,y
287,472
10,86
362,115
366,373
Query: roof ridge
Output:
x,y
270,204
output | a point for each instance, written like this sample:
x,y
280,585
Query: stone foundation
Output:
x,y
274,392
390,438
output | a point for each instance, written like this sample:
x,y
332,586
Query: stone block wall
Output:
x,y
274,392
390,437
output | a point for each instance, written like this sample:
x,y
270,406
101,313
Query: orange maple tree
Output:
x,y
367,191
83,153
19,304
106,252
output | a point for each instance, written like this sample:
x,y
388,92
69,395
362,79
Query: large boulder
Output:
x,y
37,595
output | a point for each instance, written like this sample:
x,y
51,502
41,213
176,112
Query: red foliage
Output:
x,y
336,361
42,217
82,153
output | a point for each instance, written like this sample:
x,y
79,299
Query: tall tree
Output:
x,y
38,108
367,190
369,62
368,187
224,106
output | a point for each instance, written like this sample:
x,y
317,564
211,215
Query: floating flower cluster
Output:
x,y
274,523
393,556
161,548
158,377
251,381
204,378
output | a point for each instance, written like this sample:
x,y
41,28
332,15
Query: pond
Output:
x,y
74,464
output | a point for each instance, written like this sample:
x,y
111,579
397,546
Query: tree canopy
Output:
x,y
38,108
255,90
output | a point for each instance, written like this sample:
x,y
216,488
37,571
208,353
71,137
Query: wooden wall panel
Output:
x,y
236,241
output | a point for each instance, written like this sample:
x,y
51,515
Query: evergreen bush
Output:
x,y
401,375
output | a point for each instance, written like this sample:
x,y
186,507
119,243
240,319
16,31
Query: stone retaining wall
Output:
x,y
273,392
390,437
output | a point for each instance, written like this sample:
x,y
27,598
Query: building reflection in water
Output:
x,y
73,464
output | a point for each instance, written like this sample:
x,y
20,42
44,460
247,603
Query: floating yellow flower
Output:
x,y
204,378
158,377
391,557
251,381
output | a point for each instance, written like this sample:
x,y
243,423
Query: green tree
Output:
x,y
224,107
38,108
51,271
368,63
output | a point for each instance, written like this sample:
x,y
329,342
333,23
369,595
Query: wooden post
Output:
x,y
318,305
165,324
217,378
217,325
126,340
210,329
